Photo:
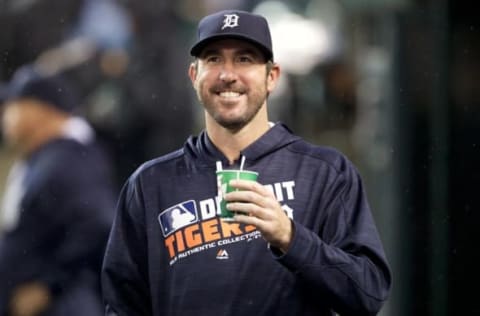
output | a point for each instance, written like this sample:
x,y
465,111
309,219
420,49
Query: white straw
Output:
x,y
219,165
242,162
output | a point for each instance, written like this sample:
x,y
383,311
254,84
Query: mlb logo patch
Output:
x,y
178,216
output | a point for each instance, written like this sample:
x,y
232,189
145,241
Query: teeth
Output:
x,y
229,94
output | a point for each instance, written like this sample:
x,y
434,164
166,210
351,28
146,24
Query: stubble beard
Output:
x,y
235,124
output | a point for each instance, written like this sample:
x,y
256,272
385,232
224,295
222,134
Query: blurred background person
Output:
x,y
122,57
58,203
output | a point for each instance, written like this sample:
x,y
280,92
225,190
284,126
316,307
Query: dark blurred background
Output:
x,y
393,84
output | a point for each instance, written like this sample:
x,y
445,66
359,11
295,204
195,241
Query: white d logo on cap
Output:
x,y
231,20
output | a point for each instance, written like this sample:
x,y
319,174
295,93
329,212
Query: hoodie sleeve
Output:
x,y
344,261
125,283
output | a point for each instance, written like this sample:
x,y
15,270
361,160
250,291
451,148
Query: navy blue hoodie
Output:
x,y
170,254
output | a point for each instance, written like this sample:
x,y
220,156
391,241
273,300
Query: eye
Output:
x,y
244,59
212,59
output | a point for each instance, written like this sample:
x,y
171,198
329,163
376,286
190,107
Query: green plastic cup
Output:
x,y
223,182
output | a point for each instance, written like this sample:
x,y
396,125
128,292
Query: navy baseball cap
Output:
x,y
28,82
234,24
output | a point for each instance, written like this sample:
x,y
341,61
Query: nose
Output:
x,y
227,73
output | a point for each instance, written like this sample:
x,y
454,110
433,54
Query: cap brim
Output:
x,y
197,49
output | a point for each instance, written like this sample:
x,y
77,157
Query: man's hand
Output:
x,y
260,208
29,299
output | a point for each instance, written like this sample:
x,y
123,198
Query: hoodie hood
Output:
x,y
277,137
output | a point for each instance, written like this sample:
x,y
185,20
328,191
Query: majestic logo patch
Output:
x,y
231,21
178,216
222,254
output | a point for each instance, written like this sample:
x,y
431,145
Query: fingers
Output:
x,y
252,204
253,186
250,191
277,229
258,206
253,199
249,209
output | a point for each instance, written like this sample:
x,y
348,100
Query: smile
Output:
x,y
229,94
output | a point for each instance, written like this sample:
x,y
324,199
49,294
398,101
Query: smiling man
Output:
x,y
303,240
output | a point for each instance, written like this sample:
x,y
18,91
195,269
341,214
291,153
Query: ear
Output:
x,y
192,72
273,77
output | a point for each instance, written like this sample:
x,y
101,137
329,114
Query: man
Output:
x,y
58,205
303,241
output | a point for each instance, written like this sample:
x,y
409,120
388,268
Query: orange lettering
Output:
x,y
210,230
230,228
192,237
169,244
250,228
179,239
